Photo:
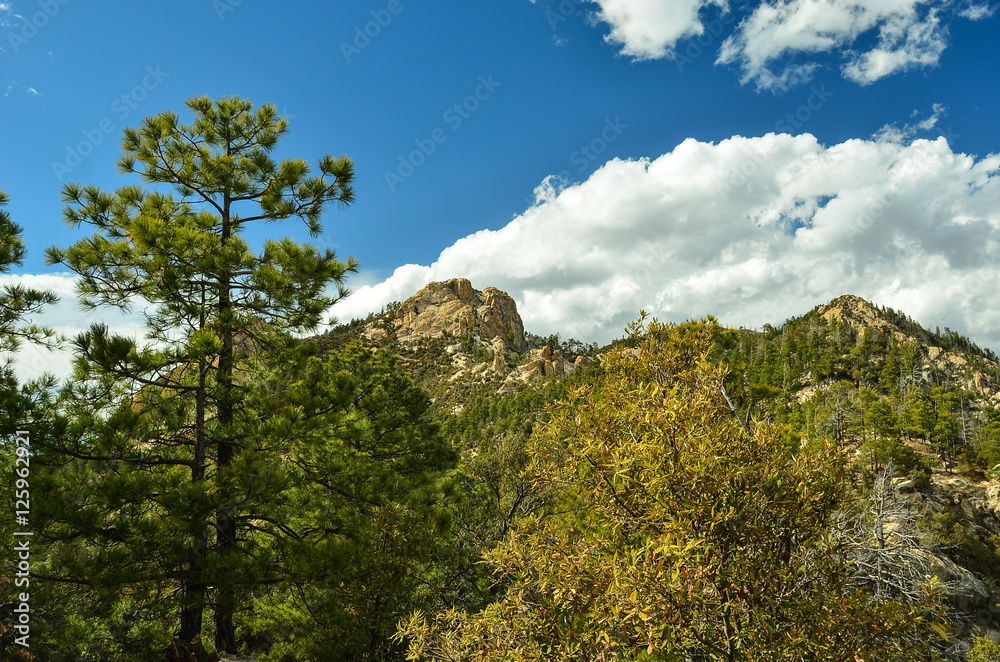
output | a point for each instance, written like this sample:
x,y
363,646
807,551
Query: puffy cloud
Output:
x,y
903,44
910,34
649,29
777,44
752,230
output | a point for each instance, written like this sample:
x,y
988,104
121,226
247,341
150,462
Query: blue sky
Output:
x,y
690,157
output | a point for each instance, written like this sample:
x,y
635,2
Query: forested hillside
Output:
x,y
913,410
874,377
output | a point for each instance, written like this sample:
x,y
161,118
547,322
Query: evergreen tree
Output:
x,y
891,368
947,431
989,440
361,540
166,429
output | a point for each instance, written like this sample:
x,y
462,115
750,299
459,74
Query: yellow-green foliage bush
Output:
x,y
678,532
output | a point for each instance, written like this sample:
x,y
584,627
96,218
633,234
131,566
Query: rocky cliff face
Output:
x,y
455,307
855,311
543,362
483,332
974,506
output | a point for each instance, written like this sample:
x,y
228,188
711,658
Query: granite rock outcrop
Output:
x,y
456,308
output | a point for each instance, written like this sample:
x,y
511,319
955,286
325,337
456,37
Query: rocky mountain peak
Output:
x,y
454,306
855,311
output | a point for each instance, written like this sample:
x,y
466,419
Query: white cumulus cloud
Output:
x,y
770,44
649,29
778,44
753,230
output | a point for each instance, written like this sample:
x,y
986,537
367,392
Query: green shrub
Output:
x,y
984,650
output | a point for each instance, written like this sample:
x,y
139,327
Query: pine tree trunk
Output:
x,y
225,630
193,597
191,613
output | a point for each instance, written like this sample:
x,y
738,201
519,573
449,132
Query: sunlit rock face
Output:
x,y
456,308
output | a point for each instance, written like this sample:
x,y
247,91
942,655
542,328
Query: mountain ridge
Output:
x,y
486,336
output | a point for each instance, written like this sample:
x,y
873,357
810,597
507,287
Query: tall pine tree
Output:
x,y
174,472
